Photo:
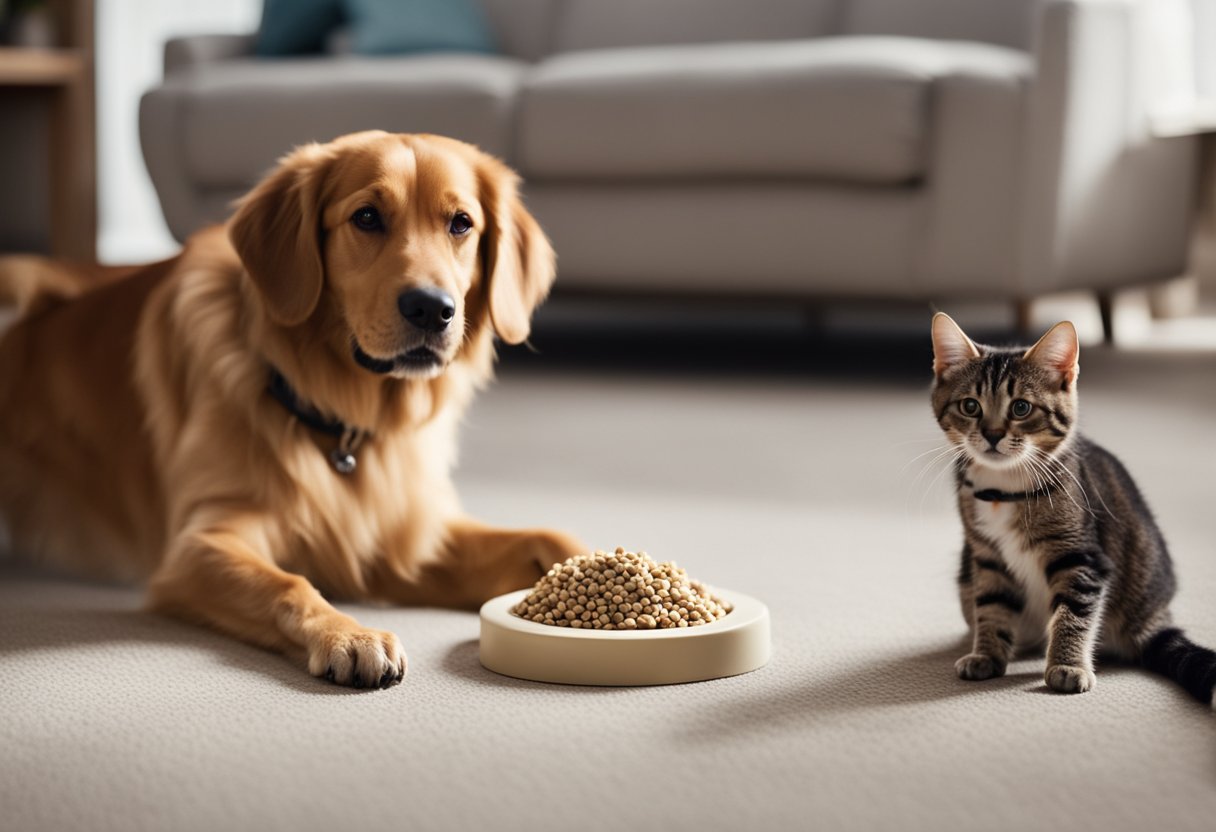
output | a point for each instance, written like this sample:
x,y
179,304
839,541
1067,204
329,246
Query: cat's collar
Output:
x,y
993,495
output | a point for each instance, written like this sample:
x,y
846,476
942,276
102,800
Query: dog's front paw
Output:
x,y
358,657
1067,678
975,667
551,548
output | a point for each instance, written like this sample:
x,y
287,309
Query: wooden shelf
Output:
x,y
48,142
40,67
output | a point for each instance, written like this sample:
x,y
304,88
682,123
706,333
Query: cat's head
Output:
x,y
1005,406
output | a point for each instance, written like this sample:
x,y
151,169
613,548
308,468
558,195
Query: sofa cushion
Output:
x,y
296,27
599,24
1004,22
469,97
388,27
524,28
733,238
850,109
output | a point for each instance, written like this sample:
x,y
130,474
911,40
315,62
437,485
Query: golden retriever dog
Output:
x,y
270,417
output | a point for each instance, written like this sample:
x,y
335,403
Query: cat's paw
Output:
x,y
975,667
1067,678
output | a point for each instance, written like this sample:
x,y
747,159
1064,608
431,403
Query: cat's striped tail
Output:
x,y
1172,654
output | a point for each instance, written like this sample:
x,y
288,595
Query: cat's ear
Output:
x,y
950,344
1058,351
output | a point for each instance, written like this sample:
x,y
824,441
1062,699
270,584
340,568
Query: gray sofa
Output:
x,y
899,149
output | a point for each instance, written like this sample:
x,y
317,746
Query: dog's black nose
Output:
x,y
993,436
430,309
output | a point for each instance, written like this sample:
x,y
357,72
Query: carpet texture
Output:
x,y
797,488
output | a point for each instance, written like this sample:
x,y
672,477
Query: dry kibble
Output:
x,y
620,591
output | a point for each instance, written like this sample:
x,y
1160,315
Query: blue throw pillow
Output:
x,y
385,27
296,27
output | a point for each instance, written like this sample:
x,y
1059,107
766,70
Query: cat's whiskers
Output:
x,y
1019,469
960,454
1027,464
942,453
1047,479
936,449
1042,460
1039,485
1084,493
1034,458
947,454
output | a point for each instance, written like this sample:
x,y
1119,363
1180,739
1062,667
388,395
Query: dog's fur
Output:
x,y
137,439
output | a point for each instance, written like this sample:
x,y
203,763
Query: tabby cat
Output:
x,y
1059,546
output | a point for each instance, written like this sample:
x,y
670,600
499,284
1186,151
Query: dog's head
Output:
x,y
395,247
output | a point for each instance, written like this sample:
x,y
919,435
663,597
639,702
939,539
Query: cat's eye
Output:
x,y
970,407
1020,409
367,218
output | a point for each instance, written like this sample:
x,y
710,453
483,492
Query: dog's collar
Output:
x,y
993,495
342,458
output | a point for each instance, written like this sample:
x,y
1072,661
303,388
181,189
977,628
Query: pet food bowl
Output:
x,y
738,643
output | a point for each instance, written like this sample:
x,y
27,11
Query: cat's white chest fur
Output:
x,y
1003,525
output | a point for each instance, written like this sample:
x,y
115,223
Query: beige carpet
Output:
x,y
793,483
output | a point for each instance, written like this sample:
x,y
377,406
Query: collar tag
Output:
x,y
342,458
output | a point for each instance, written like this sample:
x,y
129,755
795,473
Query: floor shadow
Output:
x,y
463,662
55,629
900,679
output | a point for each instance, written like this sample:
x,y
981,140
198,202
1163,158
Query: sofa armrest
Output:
x,y
977,114
185,53
1104,202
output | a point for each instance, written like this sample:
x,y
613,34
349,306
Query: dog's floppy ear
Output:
x,y
277,233
519,261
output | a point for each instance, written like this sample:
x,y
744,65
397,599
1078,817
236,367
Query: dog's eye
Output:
x,y
460,224
1020,409
367,218
969,407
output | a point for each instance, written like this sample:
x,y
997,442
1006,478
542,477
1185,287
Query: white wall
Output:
x,y
129,41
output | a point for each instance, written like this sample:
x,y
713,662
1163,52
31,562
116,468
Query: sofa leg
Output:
x,y
1023,314
1106,308
1175,298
